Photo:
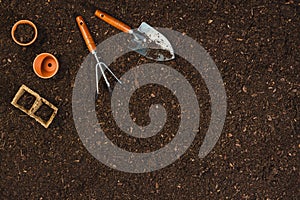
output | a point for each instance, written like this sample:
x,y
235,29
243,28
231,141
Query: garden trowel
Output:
x,y
146,40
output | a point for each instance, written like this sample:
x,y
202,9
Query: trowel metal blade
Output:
x,y
153,40
139,43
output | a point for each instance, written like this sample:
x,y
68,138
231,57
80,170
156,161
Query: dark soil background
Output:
x,y
255,45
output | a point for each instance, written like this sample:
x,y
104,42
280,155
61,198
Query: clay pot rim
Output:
x,y
14,28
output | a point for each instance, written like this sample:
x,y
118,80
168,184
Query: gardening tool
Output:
x,y
144,38
92,48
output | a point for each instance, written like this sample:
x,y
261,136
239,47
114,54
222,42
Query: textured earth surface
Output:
x,y
255,45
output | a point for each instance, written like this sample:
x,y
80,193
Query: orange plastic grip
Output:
x,y
112,21
86,34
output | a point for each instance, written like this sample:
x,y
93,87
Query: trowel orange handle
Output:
x,y
112,21
86,34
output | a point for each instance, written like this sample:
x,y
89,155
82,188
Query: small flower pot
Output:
x,y
45,65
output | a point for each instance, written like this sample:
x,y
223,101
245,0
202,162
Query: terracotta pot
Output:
x,y
14,28
45,65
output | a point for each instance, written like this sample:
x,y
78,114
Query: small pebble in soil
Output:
x,y
244,89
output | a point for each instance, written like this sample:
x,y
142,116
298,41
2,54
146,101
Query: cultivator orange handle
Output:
x,y
86,34
112,21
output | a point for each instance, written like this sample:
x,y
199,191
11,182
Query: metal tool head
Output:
x,y
102,66
152,44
